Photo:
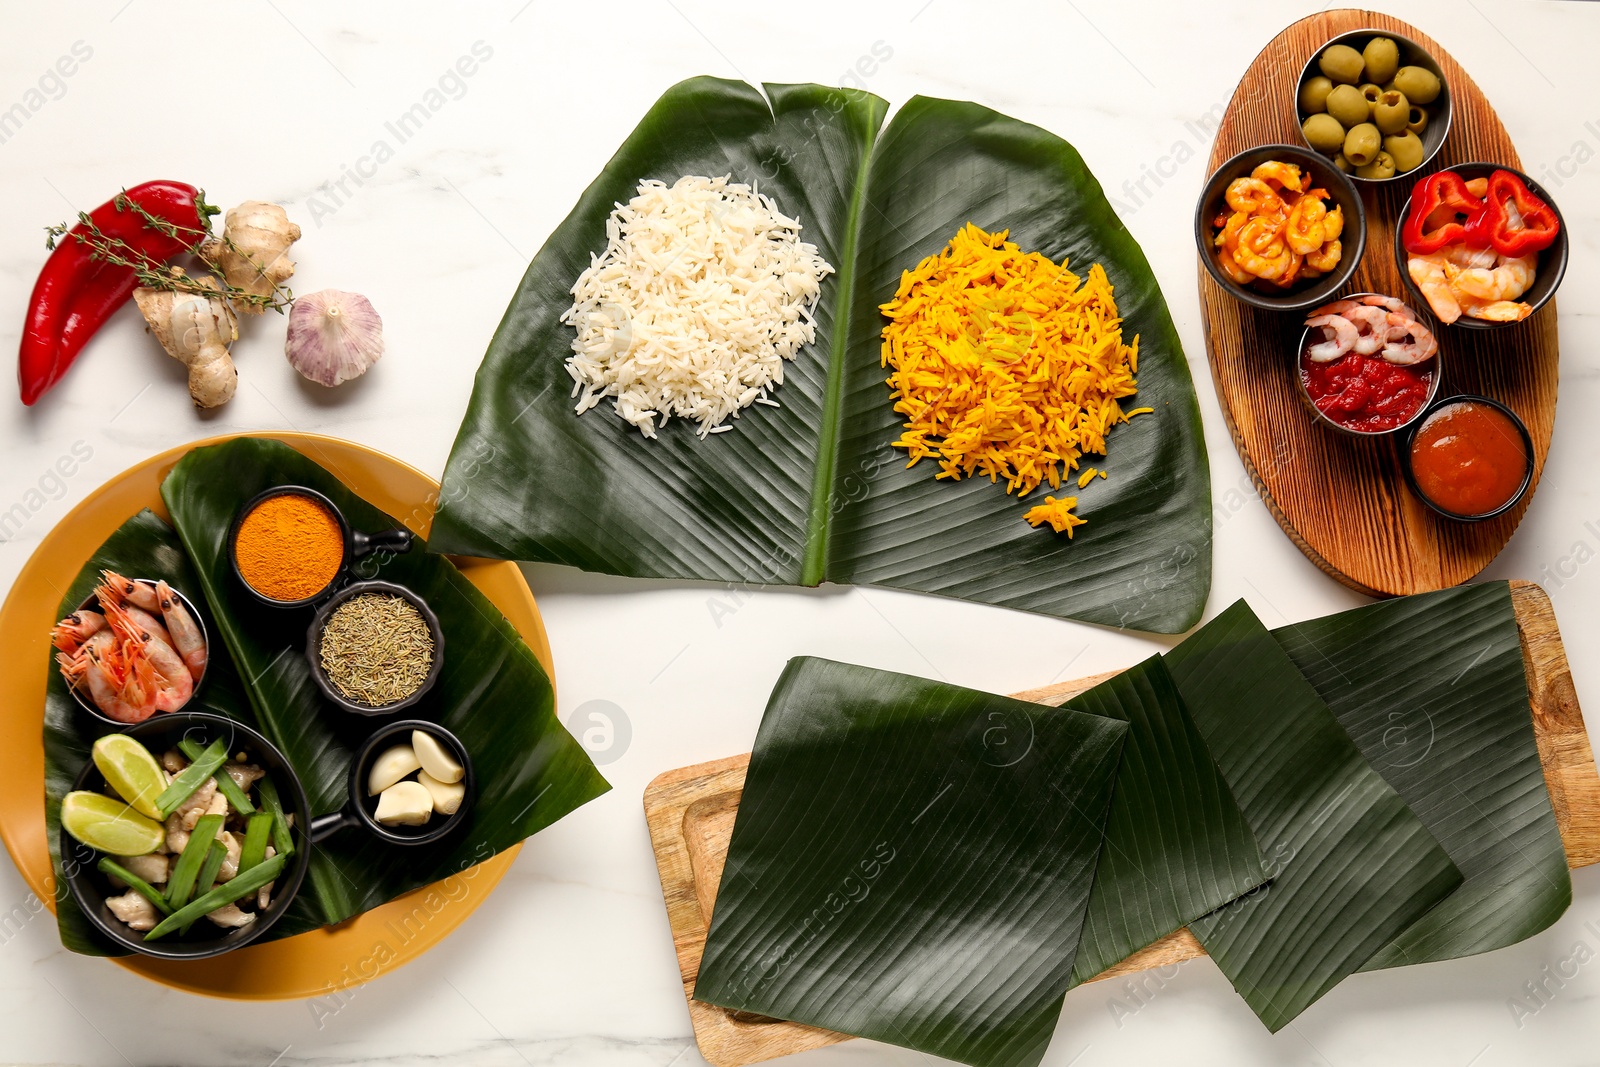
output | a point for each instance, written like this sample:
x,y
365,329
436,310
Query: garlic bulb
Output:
x,y
333,336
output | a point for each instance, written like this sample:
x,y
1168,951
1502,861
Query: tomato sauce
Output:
x,y
1367,394
1469,458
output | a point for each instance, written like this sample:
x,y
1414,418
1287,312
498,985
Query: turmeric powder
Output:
x,y
289,547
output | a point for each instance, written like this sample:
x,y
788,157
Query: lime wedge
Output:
x,y
109,825
132,771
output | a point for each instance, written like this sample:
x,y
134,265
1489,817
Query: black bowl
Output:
x,y
1527,450
356,544
1552,261
92,604
360,809
90,888
314,648
1323,174
1440,112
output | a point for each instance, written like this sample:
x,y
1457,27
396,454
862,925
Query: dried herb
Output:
x,y
377,649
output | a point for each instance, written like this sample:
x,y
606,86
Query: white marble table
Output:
x,y
571,962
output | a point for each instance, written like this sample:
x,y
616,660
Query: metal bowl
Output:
x,y
91,603
1323,419
1440,112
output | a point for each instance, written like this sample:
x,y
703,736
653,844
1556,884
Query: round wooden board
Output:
x,y
326,962
1343,500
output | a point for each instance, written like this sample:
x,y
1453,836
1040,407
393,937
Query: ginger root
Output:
x,y
252,252
196,330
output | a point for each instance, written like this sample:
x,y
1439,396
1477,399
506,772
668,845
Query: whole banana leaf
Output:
x,y
1352,865
492,692
911,862
143,547
1432,690
1177,845
811,491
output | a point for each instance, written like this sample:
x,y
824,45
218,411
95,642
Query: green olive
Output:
x,y
1341,164
1382,57
1391,113
1406,149
1342,63
1362,144
1314,94
1382,166
1347,105
1420,86
1323,133
1416,119
1370,93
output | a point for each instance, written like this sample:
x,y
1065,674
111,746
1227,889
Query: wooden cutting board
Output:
x,y
691,812
1343,500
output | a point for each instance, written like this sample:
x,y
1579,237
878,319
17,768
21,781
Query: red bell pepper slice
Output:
x,y
1445,193
1538,227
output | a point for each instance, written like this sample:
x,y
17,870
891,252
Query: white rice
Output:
x,y
703,291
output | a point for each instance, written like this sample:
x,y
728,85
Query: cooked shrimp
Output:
x,y
1372,328
1280,175
1339,337
115,588
1509,279
1327,257
123,695
186,637
146,623
1337,307
1304,230
1250,195
173,682
1496,310
1428,272
1389,303
71,632
1408,341
1333,224
133,909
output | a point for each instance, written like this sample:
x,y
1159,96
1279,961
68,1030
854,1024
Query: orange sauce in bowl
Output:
x,y
1469,459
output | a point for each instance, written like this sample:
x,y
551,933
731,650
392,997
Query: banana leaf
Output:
x,y
491,692
811,491
143,547
1177,845
1432,690
1353,866
911,862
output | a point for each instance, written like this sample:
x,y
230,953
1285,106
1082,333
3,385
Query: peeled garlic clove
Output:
x,y
391,766
435,758
447,796
333,336
404,804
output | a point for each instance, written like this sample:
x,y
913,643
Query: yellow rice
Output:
x,y
1007,365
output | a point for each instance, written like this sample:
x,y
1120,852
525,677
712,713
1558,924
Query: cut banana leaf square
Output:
x,y
491,692
911,862
1177,846
1353,866
811,490
1432,690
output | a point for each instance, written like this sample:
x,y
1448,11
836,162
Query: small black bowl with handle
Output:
x,y
361,807
319,623
1552,261
92,603
1320,173
90,888
356,544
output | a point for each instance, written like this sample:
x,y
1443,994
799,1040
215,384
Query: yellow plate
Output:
x,y
323,962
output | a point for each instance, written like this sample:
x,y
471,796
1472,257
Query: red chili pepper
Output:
x,y
1537,229
1445,191
76,293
